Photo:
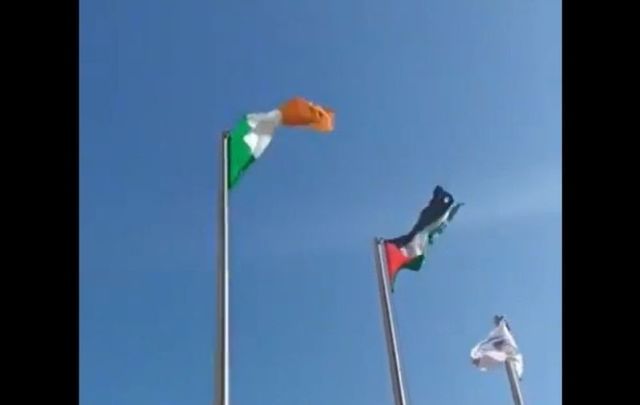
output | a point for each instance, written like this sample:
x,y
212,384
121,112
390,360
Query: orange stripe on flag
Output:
x,y
301,112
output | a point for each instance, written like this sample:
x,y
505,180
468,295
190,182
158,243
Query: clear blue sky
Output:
x,y
463,93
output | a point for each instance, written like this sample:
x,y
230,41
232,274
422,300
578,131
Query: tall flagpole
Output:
x,y
222,350
389,326
514,383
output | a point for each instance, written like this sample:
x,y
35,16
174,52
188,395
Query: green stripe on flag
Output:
x,y
239,153
415,263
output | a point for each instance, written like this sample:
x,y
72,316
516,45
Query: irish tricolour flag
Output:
x,y
408,251
253,133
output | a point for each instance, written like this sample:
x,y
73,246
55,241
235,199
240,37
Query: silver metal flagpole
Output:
x,y
389,326
222,350
516,393
514,383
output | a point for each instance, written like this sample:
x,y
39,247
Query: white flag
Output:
x,y
497,348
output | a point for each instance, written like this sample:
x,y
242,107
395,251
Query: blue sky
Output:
x,y
462,93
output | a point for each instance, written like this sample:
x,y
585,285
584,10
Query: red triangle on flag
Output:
x,y
395,259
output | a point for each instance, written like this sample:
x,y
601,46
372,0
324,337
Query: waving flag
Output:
x,y
497,348
253,133
408,251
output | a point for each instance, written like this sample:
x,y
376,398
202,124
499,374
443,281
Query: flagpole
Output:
x,y
222,349
514,383
389,326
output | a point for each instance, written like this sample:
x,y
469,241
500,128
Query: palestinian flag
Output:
x,y
252,134
408,251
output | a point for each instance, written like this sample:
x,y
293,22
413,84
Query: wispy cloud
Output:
x,y
515,196
502,200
